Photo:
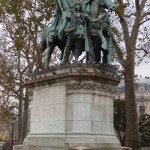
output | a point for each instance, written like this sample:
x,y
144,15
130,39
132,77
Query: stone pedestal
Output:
x,y
71,107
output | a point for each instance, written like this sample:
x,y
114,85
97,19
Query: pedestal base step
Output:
x,y
23,147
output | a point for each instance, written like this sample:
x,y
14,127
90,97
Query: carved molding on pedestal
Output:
x,y
99,74
91,86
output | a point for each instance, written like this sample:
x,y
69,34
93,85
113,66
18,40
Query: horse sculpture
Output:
x,y
50,39
47,44
54,35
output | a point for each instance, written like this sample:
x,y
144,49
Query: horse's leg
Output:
x,y
97,51
87,57
103,40
110,50
61,56
50,49
109,56
66,52
78,48
105,57
61,46
89,48
43,40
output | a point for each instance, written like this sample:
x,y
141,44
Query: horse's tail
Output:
x,y
43,40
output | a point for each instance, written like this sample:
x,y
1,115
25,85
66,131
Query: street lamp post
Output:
x,y
12,119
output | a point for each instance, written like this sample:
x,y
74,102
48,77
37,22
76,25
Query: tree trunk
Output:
x,y
20,99
25,116
20,118
132,131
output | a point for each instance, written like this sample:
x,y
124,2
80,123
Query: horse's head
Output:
x,y
109,4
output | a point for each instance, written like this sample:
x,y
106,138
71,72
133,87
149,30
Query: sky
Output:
x,y
143,69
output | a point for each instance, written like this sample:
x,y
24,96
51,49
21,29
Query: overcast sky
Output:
x,y
143,69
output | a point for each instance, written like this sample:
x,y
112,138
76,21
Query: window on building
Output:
x,y
141,113
141,108
141,88
142,96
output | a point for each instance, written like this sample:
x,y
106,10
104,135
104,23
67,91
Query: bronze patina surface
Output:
x,y
80,25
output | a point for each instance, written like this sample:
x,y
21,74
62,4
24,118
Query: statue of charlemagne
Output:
x,y
77,26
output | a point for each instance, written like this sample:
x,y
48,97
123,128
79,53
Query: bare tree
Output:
x,y
21,25
132,19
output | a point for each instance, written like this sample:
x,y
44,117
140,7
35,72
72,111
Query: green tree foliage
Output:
x,y
120,124
120,119
21,24
8,105
144,128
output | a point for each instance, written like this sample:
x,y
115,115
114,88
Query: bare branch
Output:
x,y
142,49
118,51
145,15
137,5
143,3
144,21
132,14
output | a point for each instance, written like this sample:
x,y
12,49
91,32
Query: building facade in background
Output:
x,y
142,93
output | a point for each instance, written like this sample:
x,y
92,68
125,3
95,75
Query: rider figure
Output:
x,y
77,30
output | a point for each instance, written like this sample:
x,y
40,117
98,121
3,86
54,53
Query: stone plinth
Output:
x,y
72,106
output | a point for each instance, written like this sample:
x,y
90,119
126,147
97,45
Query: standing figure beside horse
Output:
x,y
100,29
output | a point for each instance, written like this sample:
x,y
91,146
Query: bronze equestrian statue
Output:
x,y
79,26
